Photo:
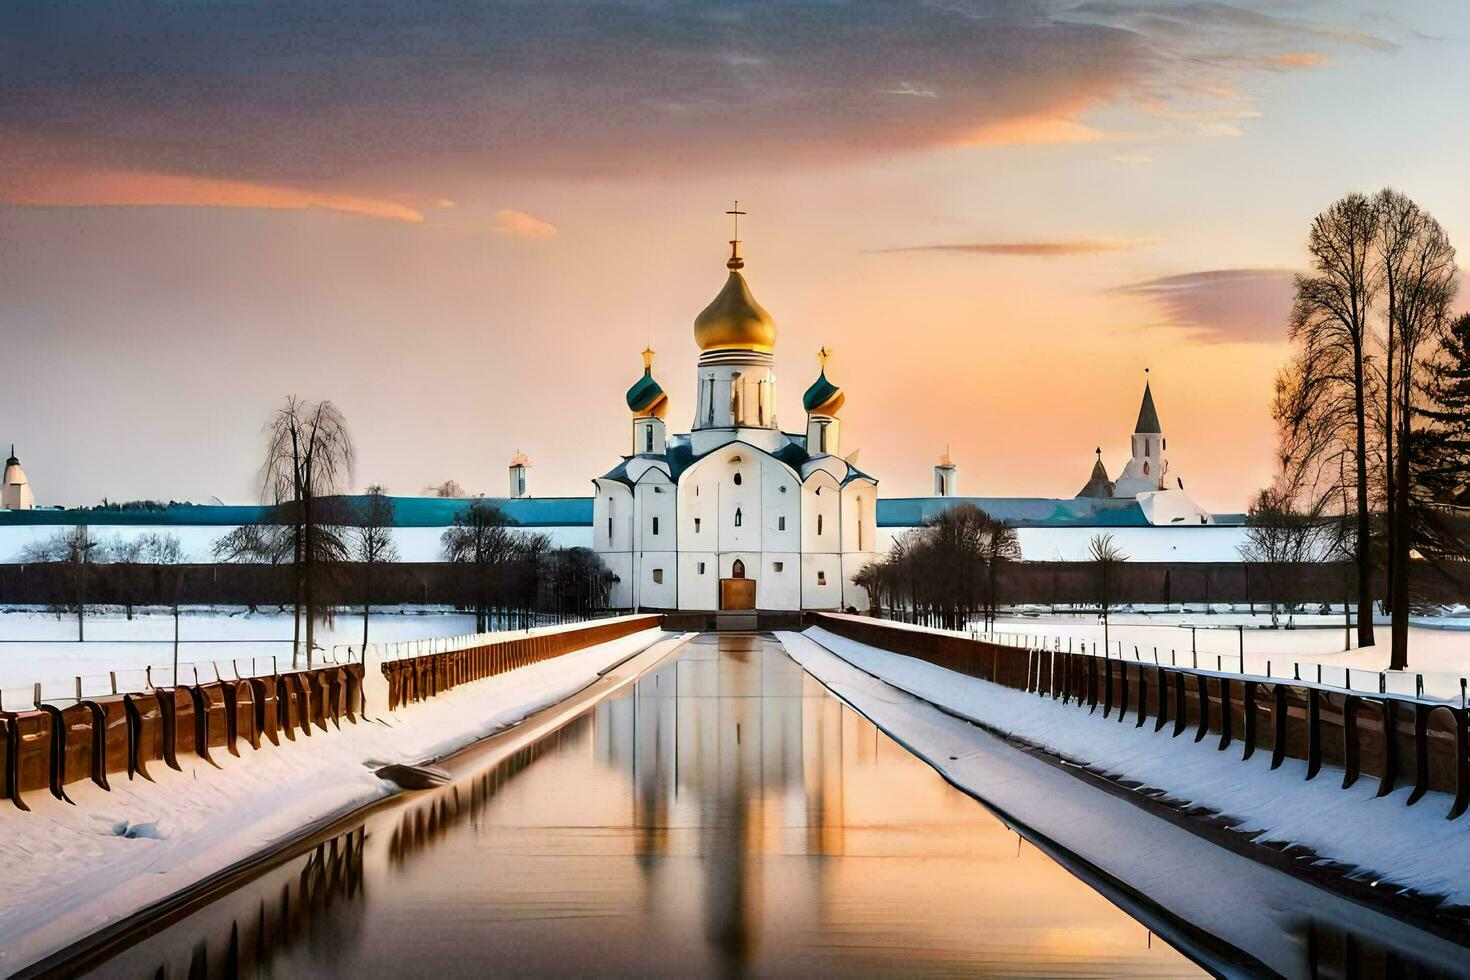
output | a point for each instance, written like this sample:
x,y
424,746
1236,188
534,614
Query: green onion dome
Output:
x,y
823,397
647,399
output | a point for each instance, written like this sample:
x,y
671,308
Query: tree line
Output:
x,y
328,551
1372,410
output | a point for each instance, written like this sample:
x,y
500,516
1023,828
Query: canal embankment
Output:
x,y
74,868
1023,754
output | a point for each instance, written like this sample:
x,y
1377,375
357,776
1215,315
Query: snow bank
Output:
x,y
70,870
1411,846
1208,895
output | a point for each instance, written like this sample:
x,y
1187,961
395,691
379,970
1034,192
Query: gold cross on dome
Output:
x,y
735,214
822,356
647,358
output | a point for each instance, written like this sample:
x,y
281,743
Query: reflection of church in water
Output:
x,y
731,765
736,513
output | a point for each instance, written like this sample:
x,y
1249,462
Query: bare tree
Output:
x,y
309,456
1284,529
447,489
482,538
166,553
1419,280
372,544
1106,556
945,571
75,549
127,552
267,544
1323,398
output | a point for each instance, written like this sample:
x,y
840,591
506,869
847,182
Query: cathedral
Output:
x,y
735,514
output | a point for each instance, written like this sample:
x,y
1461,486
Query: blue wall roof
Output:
x,y
577,512
1018,511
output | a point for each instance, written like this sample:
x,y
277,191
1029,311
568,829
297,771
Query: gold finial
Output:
x,y
735,262
822,356
647,359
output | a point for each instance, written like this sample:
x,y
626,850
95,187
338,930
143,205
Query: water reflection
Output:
x,y
724,815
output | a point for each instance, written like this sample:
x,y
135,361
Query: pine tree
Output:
x,y
1440,449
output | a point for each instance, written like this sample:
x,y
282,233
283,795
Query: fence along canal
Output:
x,y
1399,739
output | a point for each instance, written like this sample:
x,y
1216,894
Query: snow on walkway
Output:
x,y
71,870
1413,846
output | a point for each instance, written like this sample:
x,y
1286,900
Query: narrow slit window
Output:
x,y
696,525
701,568
655,525
737,517
819,523
781,523
821,578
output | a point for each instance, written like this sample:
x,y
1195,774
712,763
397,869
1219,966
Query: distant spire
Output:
x,y
1148,416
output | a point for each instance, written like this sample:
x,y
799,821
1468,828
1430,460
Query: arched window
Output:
x,y
1145,467
738,569
737,478
737,516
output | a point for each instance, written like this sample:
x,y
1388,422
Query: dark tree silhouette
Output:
x,y
309,456
371,537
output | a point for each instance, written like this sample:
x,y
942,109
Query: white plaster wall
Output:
x,y
821,596
613,500
826,503
653,594
696,590
859,516
779,505
656,507
778,589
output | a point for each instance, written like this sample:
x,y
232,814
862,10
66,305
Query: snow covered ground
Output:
x,y
414,543
70,870
1243,902
1439,646
38,646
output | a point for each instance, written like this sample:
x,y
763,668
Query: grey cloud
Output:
x,y
1222,305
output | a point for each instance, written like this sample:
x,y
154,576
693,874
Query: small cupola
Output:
x,y
822,401
649,404
520,464
946,476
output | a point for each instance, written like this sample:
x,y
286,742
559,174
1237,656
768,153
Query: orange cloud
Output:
x,y
519,224
1300,59
1031,130
126,188
1041,249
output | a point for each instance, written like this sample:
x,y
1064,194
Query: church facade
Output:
x,y
735,513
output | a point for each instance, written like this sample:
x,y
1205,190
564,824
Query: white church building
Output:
x,y
1147,477
736,513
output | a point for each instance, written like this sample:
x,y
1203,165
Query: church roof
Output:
x,y
12,461
1098,485
680,456
1148,417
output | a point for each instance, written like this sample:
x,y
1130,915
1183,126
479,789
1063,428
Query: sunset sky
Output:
x,y
462,222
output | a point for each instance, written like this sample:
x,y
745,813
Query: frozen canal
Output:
x,y
725,815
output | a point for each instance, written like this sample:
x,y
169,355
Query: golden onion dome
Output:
x,y
734,320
